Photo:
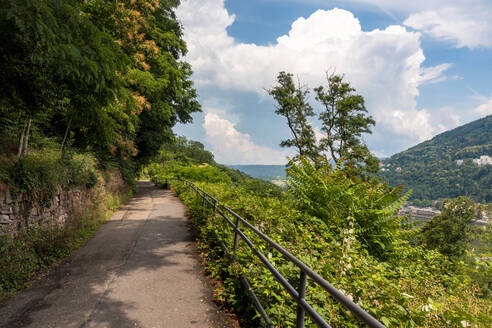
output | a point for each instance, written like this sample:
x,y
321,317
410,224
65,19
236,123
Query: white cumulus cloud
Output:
x,y
484,109
461,26
463,23
414,124
385,66
434,74
447,119
233,147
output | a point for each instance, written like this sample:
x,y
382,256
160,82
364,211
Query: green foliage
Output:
x,y
212,173
184,151
107,75
431,171
450,231
293,106
42,172
344,121
347,205
483,240
414,287
58,62
159,83
189,160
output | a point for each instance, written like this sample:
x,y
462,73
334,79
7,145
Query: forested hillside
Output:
x,y
443,167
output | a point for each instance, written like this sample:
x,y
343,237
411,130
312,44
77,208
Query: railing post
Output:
x,y
215,207
203,205
236,239
302,296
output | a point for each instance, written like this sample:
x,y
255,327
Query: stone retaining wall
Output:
x,y
18,211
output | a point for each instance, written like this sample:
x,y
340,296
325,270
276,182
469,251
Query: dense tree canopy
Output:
x,y
105,74
55,62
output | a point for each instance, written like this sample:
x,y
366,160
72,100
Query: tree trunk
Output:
x,y
66,134
21,141
26,138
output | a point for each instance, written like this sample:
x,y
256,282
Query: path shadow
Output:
x,y
79,293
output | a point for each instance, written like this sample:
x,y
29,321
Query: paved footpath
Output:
x,y
140,269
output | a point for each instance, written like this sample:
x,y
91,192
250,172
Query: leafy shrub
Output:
x,y
414,287
196,173
450,231
42,173
364,208
82,170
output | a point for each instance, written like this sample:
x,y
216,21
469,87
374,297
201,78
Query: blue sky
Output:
x,y
423,67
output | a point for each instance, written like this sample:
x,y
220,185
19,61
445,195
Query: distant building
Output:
x,y
398,169
280,183
418,213
484,219
427,213
483,160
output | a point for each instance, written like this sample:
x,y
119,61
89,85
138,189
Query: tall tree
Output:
x,y
28,47
54,60
157,81
344,120
292,104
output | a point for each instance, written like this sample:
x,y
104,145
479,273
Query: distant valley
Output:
x,y
263,172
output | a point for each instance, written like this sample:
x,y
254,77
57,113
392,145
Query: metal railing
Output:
x,y
299,294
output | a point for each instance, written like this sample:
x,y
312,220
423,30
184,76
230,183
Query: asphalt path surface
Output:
x,y
141,269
